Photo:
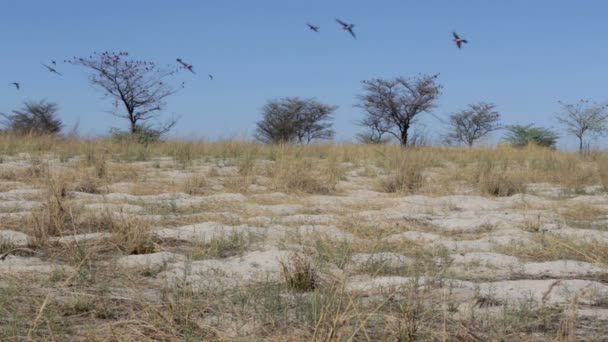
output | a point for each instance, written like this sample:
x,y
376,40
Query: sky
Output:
x,y
523,55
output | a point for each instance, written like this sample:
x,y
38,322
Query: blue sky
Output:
x,y
523,55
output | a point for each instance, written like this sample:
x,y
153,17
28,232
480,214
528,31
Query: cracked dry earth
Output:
x,y
146,259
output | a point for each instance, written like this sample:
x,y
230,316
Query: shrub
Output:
x,y
34,118
295,120
143,135
523,135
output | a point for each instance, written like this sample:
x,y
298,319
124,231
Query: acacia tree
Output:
x,y
293,119
34,118
473,123
393,105
138,85
584,117
522,135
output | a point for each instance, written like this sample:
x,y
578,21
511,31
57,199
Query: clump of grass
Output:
x,y
407,178
330,251
130,150
38,167
195,184
182,153
245,162
405,171
494,178
549,247
89,185
55,216
130,235
576,174
602,167
501,184
299,273
301,175
582,212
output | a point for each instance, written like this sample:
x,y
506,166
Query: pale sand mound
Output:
x,y
150,262
14,239
252,267
14,265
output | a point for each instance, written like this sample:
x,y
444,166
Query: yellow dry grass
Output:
x,y
310,302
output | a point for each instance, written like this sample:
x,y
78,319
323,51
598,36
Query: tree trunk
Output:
x,y
580,145
404,137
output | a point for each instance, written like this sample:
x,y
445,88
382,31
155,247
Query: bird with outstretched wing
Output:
x,y
459,41
347,27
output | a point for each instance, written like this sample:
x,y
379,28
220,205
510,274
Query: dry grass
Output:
x,y
408,174
195,184
305,175
107,158
299,273
224,246
549,247
100,302
602,166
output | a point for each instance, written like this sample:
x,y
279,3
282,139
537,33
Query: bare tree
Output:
x,y
293,119
34,118
584,117
138,85
473,123
394,104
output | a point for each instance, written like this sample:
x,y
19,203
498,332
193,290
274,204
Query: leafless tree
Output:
x,y
584,117
293,119
473,123
395,104
34,118
138,85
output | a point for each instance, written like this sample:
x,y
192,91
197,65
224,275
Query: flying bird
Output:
x,y
211,77
186,66
16,84
347,27
53,62
313,27
51,69
459,40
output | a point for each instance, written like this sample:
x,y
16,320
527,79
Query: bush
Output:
x,y
34,118
143,135
293,119
523,135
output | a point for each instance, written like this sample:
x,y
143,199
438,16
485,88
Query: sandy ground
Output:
x,y
476,251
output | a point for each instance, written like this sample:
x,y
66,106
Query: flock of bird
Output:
x,y
51,69
349,28
345,26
